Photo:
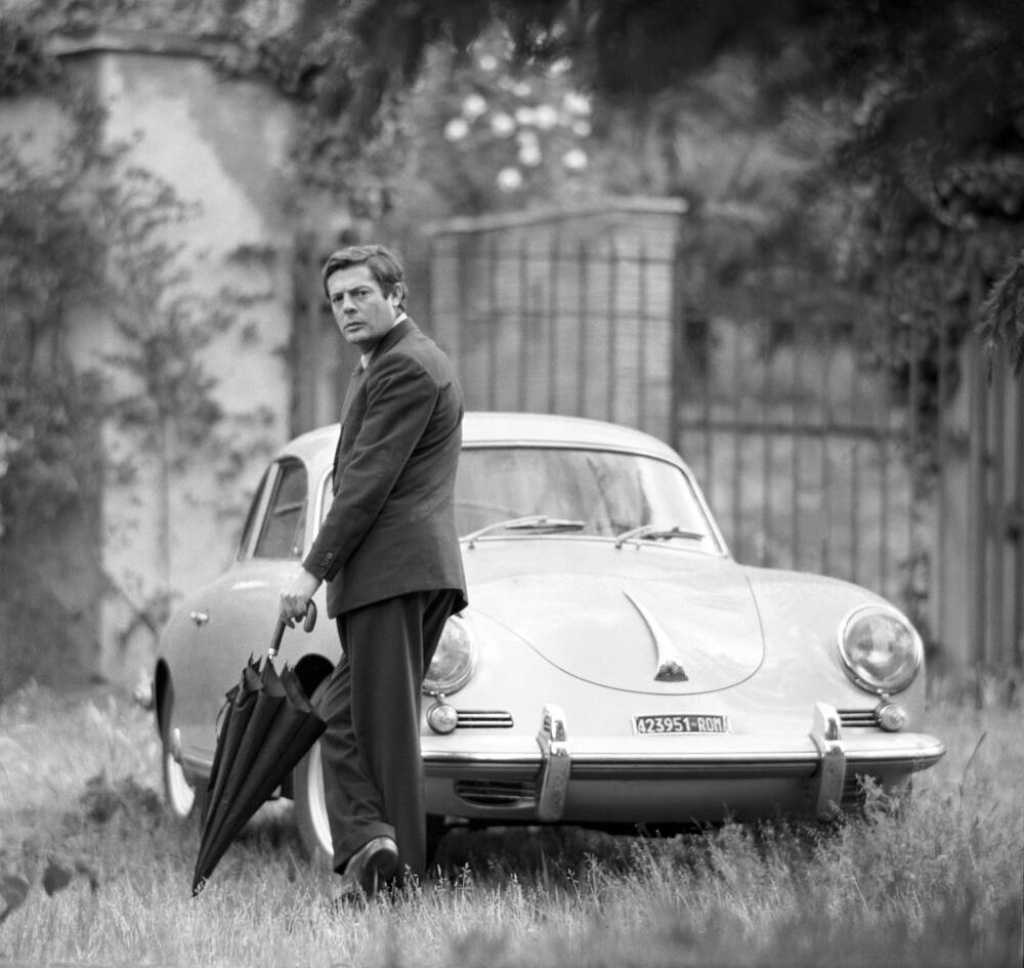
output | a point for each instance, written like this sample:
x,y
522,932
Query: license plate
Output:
x,y
681,723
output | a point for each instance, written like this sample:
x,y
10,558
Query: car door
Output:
x,y
233,619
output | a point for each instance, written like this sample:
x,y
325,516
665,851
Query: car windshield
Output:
x,y
600,492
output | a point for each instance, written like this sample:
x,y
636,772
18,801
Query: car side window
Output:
x,y
250,519
284,524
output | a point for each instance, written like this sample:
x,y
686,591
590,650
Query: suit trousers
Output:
x,y
373,766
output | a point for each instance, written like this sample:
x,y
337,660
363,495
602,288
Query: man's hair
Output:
x,y
383,265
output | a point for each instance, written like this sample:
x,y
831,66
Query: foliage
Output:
x,y
24,63
923,186
99,875
618,47
49,252
1002,316
937,141
381,81
933,91
165,327
480,135
48,460
81,16
51,259
88,231
82,236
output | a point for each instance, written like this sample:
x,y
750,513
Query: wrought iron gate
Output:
x,y
817,448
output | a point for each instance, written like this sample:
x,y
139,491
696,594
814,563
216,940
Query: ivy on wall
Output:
x,y
51,467
85,233
51,258
24,63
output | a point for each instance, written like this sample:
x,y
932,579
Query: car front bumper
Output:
x,y
566,781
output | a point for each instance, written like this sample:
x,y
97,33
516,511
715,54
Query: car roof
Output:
x,y
481,429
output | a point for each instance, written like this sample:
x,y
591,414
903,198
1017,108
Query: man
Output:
x,y
389,551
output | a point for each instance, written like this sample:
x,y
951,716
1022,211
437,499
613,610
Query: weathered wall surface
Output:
x,y
52,597
223,145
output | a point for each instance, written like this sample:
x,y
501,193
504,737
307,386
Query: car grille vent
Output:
x,y
858,718
496,793
484,719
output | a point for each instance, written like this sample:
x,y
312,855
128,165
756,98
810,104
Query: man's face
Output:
x,y
363,313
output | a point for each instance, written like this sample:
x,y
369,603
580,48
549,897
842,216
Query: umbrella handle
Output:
x,y
308,624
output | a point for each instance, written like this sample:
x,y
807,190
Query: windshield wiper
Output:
x,y
655,532
535,522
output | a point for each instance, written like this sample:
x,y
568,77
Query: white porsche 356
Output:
x,y
615,665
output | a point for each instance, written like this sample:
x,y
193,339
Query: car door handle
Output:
x,y
200,618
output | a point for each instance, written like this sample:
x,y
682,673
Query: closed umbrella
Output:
x,y
267,725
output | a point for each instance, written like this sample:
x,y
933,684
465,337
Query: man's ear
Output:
x,y
397,292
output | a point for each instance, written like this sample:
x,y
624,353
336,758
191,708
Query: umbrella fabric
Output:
x,y
234,716
268,725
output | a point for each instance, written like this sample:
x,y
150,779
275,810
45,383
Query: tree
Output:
x,y
935,90
50,465
940,136
168,402
85,231
932,90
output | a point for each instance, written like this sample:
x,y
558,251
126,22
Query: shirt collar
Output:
x,y
367,357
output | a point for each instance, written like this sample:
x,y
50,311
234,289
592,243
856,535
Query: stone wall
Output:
x,y
223,145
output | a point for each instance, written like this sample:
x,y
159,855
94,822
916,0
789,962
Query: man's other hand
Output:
x,y
295,596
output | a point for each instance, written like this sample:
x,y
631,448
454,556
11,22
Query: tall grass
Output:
x,y
936,882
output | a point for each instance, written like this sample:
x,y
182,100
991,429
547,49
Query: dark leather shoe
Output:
x,y
370,867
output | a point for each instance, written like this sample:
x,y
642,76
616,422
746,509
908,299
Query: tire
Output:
x,y
437,827
311,809
310,805
184,800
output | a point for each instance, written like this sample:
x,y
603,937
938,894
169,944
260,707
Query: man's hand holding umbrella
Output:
x,y
296,595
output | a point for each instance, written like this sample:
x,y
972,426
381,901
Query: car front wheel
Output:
x,y
310,804
311,808
183,799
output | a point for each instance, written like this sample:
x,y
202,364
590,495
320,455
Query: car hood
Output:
x,y
646,620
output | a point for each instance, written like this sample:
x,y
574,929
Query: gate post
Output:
x,y
302,343
678,343
978,502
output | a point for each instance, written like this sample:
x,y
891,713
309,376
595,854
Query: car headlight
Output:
x,y
452,666
880,650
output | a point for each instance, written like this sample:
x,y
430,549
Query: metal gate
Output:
x,y
995,501
823,443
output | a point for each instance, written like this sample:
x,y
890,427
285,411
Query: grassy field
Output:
x,y
93,873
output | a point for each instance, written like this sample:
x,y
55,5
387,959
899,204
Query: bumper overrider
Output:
x,y
563,782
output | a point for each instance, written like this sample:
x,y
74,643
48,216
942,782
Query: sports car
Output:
x,y
615,667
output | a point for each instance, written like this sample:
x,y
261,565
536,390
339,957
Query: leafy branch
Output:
x,y
1001,317
88,232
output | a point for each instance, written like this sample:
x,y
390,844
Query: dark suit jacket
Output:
x,y
391,527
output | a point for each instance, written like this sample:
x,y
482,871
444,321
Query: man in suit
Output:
x,y
389,551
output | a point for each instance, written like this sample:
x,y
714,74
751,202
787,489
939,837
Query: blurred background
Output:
x,y
787,237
